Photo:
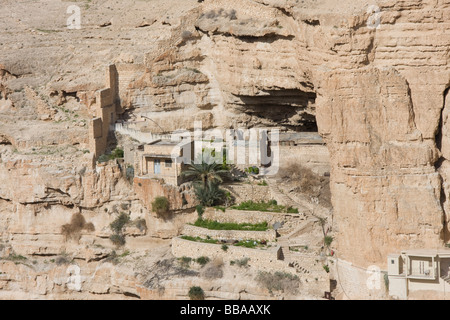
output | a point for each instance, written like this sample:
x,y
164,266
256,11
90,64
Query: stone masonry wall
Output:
x,y
193,231
241,216
262,259
105,114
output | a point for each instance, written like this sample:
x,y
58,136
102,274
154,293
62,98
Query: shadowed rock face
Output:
x,y
379,97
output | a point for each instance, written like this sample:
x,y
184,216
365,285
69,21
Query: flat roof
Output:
x,y
427,252
161,156
164,143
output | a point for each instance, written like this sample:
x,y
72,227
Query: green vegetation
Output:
x,y
103,158
115,154
120,222
15,257
328,240
202,260
326,268
206,174
196,293
200,211
252,170
185,261
118,239
198,239
214,225
207,179
240,262
223,209
270,206
251,244
160,205
210,195
243,243
263,183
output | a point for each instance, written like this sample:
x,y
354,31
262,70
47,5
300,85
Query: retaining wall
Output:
x,y
359,283
241,216
193,231
264,259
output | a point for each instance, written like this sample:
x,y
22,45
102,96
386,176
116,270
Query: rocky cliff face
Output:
x,y
380,117
379,97
375,82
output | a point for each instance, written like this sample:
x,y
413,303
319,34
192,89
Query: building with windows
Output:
x,y
163,160
418,273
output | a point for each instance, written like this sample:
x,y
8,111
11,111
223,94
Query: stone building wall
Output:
x,y
105,114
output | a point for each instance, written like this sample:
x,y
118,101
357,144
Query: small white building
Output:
x,y
420,273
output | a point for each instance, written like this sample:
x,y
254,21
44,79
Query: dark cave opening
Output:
x,y
290,110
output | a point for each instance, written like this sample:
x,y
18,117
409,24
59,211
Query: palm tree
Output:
x,y
205,173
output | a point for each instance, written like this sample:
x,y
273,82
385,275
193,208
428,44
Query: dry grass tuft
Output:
x,y
304,180
213,270
77,224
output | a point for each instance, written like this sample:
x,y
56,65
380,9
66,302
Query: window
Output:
x,y
168,163
392,261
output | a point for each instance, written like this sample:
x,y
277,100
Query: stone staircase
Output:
x,y
293,261
299,229
282,198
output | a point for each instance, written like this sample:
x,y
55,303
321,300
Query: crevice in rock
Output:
x,y
267,38
131,295
445,234
4,199
312,22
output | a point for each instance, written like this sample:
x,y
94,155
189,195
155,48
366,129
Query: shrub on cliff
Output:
x,y
304,180
161,205
120,222
279,281
213,270
73,229
117,153
196,293
117,238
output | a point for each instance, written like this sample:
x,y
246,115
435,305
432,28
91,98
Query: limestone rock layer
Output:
x,y
372,77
